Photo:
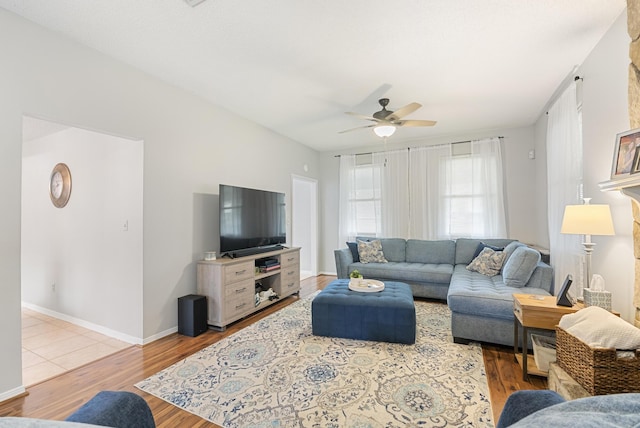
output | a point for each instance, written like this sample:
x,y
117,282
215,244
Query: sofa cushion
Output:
x,y
432,252
405,272
353,247
509,249
483,296
518,268
371,252
488,262
466,248
393,248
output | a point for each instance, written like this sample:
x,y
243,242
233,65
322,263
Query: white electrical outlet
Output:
x,y
125,226
53,287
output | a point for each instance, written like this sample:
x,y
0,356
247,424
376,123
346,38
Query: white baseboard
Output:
x,y
328,273
160,335
12,393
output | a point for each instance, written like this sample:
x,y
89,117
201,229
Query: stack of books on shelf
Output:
x,y
267,265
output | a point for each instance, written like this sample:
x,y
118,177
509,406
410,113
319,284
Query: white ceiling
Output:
x,y
295,66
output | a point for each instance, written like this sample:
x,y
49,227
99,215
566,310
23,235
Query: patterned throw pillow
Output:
x,y
371,252
489,262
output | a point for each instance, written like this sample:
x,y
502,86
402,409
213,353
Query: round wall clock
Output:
x,y
60,185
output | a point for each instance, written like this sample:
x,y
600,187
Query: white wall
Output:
x,y
83,249
190,146
520,186
604,114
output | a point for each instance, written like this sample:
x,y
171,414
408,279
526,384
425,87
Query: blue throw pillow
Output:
x,y
353,246
481,246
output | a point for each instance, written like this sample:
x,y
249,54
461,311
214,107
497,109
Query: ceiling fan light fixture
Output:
x,y
384,130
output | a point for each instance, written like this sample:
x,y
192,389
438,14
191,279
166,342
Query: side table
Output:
x,y
533,311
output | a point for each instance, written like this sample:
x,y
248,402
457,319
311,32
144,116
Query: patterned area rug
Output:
x,y
275,373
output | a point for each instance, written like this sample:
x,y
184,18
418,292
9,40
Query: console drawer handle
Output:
x,y
240,306
291,284
291,259
291,272
240,272
240,290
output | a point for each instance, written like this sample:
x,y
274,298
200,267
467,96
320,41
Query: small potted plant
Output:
x,y
355,277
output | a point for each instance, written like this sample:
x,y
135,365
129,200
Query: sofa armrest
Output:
x,y
523,403
542,277
343,259
117,409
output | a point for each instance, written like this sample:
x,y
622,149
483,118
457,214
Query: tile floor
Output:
x,y
51,346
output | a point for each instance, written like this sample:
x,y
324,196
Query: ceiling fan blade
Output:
x,y
359,127
361,116
414,122
402,112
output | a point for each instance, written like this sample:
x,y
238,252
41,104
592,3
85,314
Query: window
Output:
x,y
366,200
436,192
466,198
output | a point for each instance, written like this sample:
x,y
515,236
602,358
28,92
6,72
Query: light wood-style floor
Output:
x,y
59,397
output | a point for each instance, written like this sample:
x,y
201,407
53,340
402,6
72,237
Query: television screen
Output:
x,y
251,218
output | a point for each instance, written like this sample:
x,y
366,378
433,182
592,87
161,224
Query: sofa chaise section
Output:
x,y
482,306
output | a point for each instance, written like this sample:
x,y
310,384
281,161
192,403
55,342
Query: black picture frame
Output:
x,y
563,299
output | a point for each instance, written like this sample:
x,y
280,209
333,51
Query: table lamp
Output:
x,y
587,220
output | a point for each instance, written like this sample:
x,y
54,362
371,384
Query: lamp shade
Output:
x,y
587,220
384,130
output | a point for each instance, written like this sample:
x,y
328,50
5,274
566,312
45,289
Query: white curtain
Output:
x,y
394,204
488,190
564,183
347,224
457,193
429,168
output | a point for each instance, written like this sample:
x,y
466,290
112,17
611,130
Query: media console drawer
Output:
x,y
289,259
239,271
246,288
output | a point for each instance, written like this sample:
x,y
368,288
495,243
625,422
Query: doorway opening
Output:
x,y
81,262
304,224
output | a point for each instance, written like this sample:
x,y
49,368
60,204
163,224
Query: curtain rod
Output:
x,y
575,79
409,148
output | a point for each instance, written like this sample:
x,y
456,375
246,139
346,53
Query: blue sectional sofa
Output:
x,y
481,305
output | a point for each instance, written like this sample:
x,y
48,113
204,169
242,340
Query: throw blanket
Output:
x,y
599,328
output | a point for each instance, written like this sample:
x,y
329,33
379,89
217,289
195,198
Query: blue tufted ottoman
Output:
x,y
385,316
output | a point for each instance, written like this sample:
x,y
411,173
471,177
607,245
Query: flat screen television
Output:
x,y
251,220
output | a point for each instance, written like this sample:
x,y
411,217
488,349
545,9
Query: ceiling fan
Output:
x,y
387,121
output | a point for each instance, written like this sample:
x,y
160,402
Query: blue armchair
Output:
x,y
542,408
117,409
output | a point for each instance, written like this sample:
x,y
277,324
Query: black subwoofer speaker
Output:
x,y
192,315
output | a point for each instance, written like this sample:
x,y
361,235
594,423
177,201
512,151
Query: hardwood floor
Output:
x,y
59,397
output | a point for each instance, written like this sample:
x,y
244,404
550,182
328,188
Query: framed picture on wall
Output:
x,y
624,156
635,167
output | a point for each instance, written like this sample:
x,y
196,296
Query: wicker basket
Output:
x,y
598,370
